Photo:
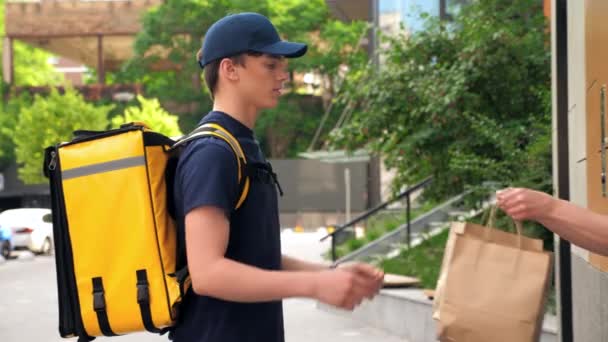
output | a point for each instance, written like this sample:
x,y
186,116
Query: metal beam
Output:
x,y
374,18
8,67
348,10
42,18
443,13
563,168
42,36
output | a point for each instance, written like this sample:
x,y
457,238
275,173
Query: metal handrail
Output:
x,y
367,214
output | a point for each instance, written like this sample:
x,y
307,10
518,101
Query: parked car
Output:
x,y
5,242
31,228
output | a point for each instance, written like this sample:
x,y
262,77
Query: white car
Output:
x,y
32,228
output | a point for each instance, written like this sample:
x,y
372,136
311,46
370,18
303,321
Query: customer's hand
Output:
x,y
525,204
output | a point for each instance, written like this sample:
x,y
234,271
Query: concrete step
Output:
x,y
416,239
438,224
393,253
458,214
407,313
379,246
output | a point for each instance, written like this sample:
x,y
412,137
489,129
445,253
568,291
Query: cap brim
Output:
x,y
286,49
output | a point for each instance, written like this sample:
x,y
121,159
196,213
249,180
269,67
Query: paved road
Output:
x,y
28,305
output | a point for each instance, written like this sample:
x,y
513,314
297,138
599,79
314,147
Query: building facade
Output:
x,y
580,81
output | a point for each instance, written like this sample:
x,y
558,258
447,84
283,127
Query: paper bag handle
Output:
x,y
490,225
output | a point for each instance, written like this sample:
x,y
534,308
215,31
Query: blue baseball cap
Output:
x,y
245,32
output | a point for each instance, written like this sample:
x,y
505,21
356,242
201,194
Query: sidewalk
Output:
x,y
304,321
28,305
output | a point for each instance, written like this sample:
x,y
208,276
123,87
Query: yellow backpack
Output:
x,y
116,246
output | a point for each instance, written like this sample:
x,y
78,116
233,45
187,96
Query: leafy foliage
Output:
x,y
465,102
152,114
32,67
8,121
48,121
422,261
286,130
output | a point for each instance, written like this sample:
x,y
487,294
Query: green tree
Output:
x,y
8,120
466,102
48,121
285,131
32,67
152,114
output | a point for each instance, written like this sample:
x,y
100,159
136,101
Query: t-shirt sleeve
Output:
x,y
208,176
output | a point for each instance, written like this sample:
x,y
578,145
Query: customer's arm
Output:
x,y
580,226
207,232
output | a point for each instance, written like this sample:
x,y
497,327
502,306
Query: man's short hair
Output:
x,y
212,70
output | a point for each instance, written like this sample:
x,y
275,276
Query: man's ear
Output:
x,y
229,69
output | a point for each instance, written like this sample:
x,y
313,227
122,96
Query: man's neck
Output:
x,y
245,114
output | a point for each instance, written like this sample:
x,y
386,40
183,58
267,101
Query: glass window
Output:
x,y
406,12
393,13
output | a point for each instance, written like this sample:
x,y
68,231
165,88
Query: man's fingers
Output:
x,y
367,271
362,287
364,269
368,287
353,298
348,304
367,280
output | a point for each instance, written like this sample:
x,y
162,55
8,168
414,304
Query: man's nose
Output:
x,y
284,75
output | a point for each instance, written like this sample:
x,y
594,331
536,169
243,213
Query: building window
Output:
x,y
394,13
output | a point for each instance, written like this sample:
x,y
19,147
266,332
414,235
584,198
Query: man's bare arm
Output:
x,y
207,232
293,264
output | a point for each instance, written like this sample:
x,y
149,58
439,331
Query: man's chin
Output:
x,y
270,104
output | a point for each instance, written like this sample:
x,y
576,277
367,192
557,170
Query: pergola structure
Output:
x,y
348,10
96,33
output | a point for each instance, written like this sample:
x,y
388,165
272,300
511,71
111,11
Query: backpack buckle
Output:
x,y
143,295
99,302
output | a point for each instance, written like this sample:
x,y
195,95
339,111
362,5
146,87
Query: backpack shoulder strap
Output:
x,y
217,131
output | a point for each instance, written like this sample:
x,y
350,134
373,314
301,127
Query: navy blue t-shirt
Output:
x,y
207,176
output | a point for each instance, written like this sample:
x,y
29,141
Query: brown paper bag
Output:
x,y
493,286
457,228
445,265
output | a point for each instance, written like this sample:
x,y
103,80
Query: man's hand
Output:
x,y
374,275
346,287
525,204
